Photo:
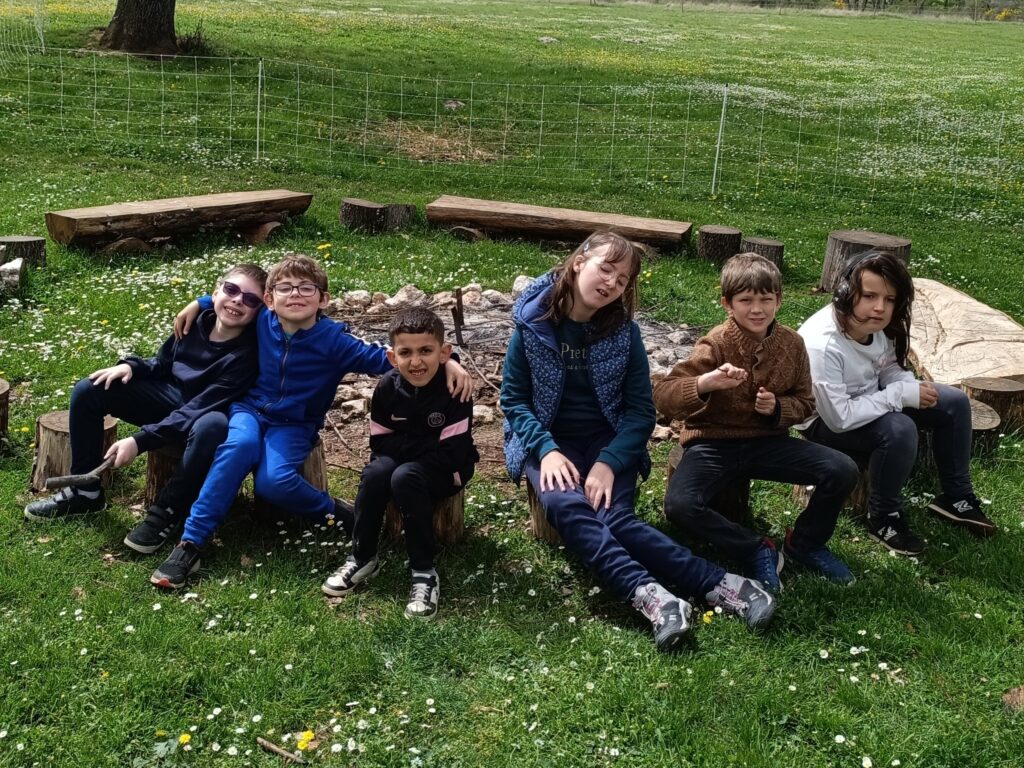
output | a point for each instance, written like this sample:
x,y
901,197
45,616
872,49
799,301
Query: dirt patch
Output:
x,y
441,144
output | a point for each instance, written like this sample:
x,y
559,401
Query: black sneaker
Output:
x,y
344,515
745,598
766,565
893,532
966,512
424,595
156,528
668,614
67,502
182,563
350,576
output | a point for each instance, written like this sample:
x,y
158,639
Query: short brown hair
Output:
x,y
300,266
416,320
750,272
254,272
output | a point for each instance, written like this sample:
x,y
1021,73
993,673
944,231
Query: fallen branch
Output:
x,y
271,747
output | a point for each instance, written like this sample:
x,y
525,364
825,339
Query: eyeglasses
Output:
x,y
251,300
283,290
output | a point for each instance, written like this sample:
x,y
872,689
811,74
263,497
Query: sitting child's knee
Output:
x,y
679,507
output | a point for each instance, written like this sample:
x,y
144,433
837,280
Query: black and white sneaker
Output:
x,y
350,576
668,614
67,502
893,532
156,528
183,561
424,594
745,598
966,512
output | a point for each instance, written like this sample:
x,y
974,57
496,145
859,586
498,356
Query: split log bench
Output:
x,y
449,521
539,222
53,447
150,219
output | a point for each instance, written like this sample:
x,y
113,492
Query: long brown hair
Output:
x,y
894,272
611,316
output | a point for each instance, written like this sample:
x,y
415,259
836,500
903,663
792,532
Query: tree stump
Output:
x,y
5,406
160,465
398,216
449,520
53,447
12,276
763,246
857,501
716,243
1005,396
258,233
374,218
732,502
313,469
31,249
844,244
539,525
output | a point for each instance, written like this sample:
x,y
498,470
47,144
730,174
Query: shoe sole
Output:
x,y
421,616
974,526
142,549
340,592
165,583
897,550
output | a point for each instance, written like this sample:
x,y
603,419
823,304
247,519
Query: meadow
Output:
x,y
909,126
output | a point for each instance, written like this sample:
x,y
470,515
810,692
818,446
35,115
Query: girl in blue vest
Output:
x,y
576,397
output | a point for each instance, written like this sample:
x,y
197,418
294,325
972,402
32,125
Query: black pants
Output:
x,y
415,489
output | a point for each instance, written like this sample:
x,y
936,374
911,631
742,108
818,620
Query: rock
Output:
x,y
378,309
520,284
357,298
661,433
472,298
366,392
352,409
473,287
444,299
484,414
666,357
407,296
453,104
379,297
547,39
12,275
1013,699
345,393
680,337
334,307
494,298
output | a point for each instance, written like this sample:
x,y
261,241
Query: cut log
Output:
x,y
53,447
984,427
128,245
260,233
363,215
1005,396
314,470
5,406
843,244
732,502
716,243
542,223
398,216
161,463
469,234
31,249
857,501
955,337
176,215
771,249
12,276
539,525
449,521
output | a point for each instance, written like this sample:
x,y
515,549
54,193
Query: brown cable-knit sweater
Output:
x,y
779,364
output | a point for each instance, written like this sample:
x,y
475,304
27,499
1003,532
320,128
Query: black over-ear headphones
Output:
x,y
843,293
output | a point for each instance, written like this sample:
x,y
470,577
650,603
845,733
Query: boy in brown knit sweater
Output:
x,y
744,385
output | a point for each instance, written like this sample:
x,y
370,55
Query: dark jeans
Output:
x,y
415,489
708,466
143,402
891,442
622,550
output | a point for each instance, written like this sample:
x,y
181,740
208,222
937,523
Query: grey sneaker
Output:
x,y
745,598
424,594
668,614
350,576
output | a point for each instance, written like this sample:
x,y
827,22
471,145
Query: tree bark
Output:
x,y
772,250
844,244
142,26
53,447
717,243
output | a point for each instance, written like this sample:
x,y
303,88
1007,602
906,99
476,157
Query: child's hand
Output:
x,y
765,402
557,470
184,319
598,486
107,376
929,394
725,376
460,383
123,452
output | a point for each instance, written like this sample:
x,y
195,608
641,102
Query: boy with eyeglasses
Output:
x,y
180,396
302,358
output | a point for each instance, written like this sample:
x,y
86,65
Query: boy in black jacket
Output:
x,y
421,451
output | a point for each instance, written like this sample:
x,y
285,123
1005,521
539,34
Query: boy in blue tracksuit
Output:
x,y
302,357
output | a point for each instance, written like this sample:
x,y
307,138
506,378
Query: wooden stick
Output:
x,y
271,747
337,433
77,481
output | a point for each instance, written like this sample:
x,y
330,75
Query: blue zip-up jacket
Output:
x,y
534,378
298,377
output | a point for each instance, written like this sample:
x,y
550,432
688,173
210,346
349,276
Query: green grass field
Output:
x,y
896,125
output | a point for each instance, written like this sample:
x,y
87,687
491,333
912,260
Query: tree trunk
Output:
x,y
53,447
449,520
142,26
772,250
717,243
1006,396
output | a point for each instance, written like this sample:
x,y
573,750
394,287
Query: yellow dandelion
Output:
x,y
185,738
24,429
161,732
323,246
307,735
104,322
708,616
303,745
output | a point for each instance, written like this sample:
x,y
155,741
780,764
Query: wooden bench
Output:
x,y
544,223
148,219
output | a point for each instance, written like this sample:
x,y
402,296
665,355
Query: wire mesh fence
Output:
x,y
690,138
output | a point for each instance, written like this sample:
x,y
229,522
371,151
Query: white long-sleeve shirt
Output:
x,y
854,383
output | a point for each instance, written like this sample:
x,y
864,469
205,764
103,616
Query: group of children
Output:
x,y
246,381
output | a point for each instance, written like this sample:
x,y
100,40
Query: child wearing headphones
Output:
x,y
869,403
